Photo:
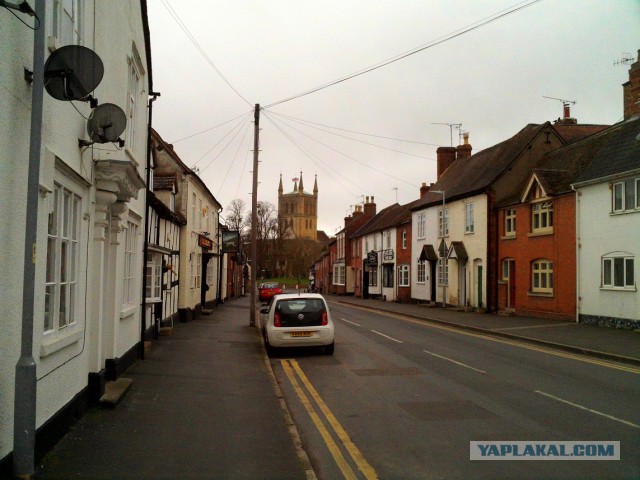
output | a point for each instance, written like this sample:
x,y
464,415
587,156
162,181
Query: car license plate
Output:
x,y
301,334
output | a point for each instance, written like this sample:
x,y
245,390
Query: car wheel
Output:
x,y
267,346
329,349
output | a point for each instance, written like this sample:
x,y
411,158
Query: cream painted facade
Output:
x,y
87,315
466,225
202,212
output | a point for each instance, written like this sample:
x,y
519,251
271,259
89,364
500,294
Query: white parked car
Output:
x,y
297,320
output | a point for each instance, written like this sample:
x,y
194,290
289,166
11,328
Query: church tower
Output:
x,y
298,211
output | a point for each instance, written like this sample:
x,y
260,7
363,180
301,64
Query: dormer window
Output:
x,y
542,217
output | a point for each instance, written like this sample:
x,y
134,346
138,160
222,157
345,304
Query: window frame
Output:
x,y
373,276
443,272
422,222
620,196
129,272
73,32
153,271
542,280
404,278
608,267
339,274
510,222
542,213
133,91
421,272
63,246
469,224
443,231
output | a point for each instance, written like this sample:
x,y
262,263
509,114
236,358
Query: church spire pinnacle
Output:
x,y
300,187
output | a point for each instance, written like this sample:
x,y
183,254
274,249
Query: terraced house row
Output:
x,y
545,223
126,239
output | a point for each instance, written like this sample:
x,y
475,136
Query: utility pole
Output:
x,y
254,215
24,409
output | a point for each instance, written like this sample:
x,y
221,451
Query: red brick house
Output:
x,y
537,245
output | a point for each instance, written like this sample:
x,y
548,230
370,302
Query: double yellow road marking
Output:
x,y
301,386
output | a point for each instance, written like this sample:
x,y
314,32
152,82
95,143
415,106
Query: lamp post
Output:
x,y
442,253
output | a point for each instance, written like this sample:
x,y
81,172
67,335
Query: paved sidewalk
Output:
x,y
607,343
202,406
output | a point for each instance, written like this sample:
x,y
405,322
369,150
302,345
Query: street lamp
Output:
x,y
442,253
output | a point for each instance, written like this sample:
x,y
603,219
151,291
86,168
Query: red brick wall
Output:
x,y
403,257
560,248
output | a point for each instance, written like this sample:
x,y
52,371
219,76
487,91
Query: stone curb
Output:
x,y
535,341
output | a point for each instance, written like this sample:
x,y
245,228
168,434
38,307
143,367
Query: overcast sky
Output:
x,y
229,55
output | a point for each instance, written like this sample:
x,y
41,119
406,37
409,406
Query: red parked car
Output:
x,y
268,290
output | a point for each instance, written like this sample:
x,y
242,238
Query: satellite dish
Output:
x,y
106,123
72,72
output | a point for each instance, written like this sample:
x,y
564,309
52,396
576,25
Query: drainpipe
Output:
x,y
577,253
220,258
24,408
147,189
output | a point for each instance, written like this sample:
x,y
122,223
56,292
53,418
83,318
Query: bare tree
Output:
x,y
266,231
236,216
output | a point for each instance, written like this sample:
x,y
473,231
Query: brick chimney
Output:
x,y
464,150
566,119
446,156
631,91
369,207
424,189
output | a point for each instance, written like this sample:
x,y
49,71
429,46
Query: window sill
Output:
x,y
127,311
540,294
469,233
52,345
508,237
624,212
619,289
540,233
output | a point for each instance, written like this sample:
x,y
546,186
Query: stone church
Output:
x,y
298,211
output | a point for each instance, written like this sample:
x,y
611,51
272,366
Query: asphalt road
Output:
x,y
402,399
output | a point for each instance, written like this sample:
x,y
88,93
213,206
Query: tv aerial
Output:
x,y
72,72
105,125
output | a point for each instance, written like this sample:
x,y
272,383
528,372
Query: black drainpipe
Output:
x,y
154,96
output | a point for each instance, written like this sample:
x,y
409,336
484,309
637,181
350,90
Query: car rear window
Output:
x,y
270,285
300,312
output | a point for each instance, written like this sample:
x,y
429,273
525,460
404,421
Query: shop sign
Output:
x,y
205,242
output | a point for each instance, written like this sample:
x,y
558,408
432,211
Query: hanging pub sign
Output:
x,y
372,259
230,241
205,242
388,254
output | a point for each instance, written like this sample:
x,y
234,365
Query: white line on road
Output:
x,y
453,361
352,323
387,336
588,409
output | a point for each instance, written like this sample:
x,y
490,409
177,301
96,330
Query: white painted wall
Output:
x,y
65,356
600,233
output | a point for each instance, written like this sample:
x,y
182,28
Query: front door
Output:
x,y
479,284
510,273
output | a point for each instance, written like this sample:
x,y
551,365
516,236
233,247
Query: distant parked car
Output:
x,y
297,320
268,290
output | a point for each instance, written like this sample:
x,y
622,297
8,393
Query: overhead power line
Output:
x,y
273,120
353,139
190,36
474,26
353,131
